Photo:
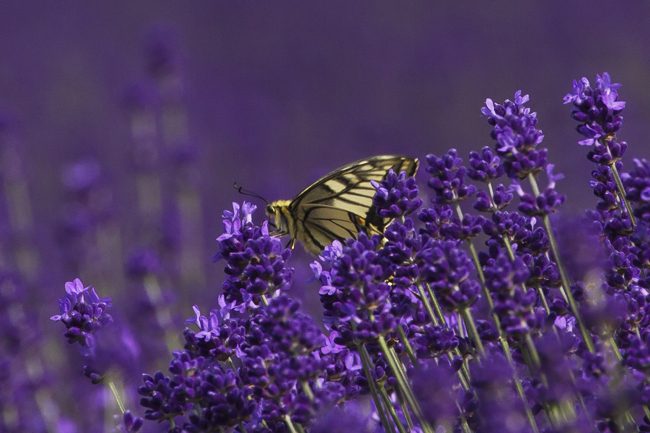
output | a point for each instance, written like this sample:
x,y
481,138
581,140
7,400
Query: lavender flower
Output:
x,y
637,186
404,320
352,420
598,111
396,195
485,167
448,178
142,262
516,135
255,261
496,203
83,313
447,269
130,423
433,386
496,410
513,302
434,218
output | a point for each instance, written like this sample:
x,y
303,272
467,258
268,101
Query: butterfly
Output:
x,y
338,205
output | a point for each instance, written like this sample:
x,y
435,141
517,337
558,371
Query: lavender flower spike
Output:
x,y
83,313
598,111
448,178
396,195
516,135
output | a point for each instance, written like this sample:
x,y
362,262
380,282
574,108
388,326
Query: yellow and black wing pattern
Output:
x,y
339,205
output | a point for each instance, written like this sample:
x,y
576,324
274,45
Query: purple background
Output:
x,y
278,94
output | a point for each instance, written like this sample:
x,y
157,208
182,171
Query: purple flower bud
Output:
x,y
516,136
448,178
447,268
396,196
256,262
83,313
469,228
637,188
485,167
130,424
434,218
597,109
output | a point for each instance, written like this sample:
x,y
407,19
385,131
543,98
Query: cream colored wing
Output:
x,y
339,205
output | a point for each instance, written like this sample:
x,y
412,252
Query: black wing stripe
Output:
x,y
339,205
326,232
351,191
379,164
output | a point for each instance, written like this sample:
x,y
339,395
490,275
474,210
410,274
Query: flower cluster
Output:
x,y
516,135
83,313
396,195
257,363
255,262
464,318
598,111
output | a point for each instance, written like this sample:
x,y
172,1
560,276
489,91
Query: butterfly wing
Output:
x,y
339,205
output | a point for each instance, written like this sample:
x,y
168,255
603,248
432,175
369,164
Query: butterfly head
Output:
x,y
279,211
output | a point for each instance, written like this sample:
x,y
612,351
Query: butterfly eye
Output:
x,y
270,210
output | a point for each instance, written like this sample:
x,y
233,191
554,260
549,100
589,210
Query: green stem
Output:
x,y
436,305
427,305
540,293
534,370
534,356
404,385
391,409
407,346
511,253
116,394
163,313
405,409
365,361
565,280
307,390
443,322
464,374
471,327
289,424
463,420
617,352
621,192
502,338
567,286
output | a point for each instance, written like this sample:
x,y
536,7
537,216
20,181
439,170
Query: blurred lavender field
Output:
x,y
124,125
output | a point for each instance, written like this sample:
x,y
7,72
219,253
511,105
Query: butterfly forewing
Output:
x,y
339,205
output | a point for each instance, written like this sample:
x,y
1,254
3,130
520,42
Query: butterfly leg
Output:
x,y
291,242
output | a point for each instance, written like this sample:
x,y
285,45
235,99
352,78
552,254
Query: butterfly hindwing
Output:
x,y
339,205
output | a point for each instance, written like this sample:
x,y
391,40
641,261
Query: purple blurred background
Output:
x,y
271,95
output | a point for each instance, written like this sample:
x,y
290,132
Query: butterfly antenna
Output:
x,y
249,193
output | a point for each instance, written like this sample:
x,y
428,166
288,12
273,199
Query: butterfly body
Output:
x,y
338,205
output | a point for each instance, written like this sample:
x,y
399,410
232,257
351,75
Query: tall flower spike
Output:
x,y
448,178
83,313
256,262
485,167
637,187
396,196
598,111
516,135
545,203
447,269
